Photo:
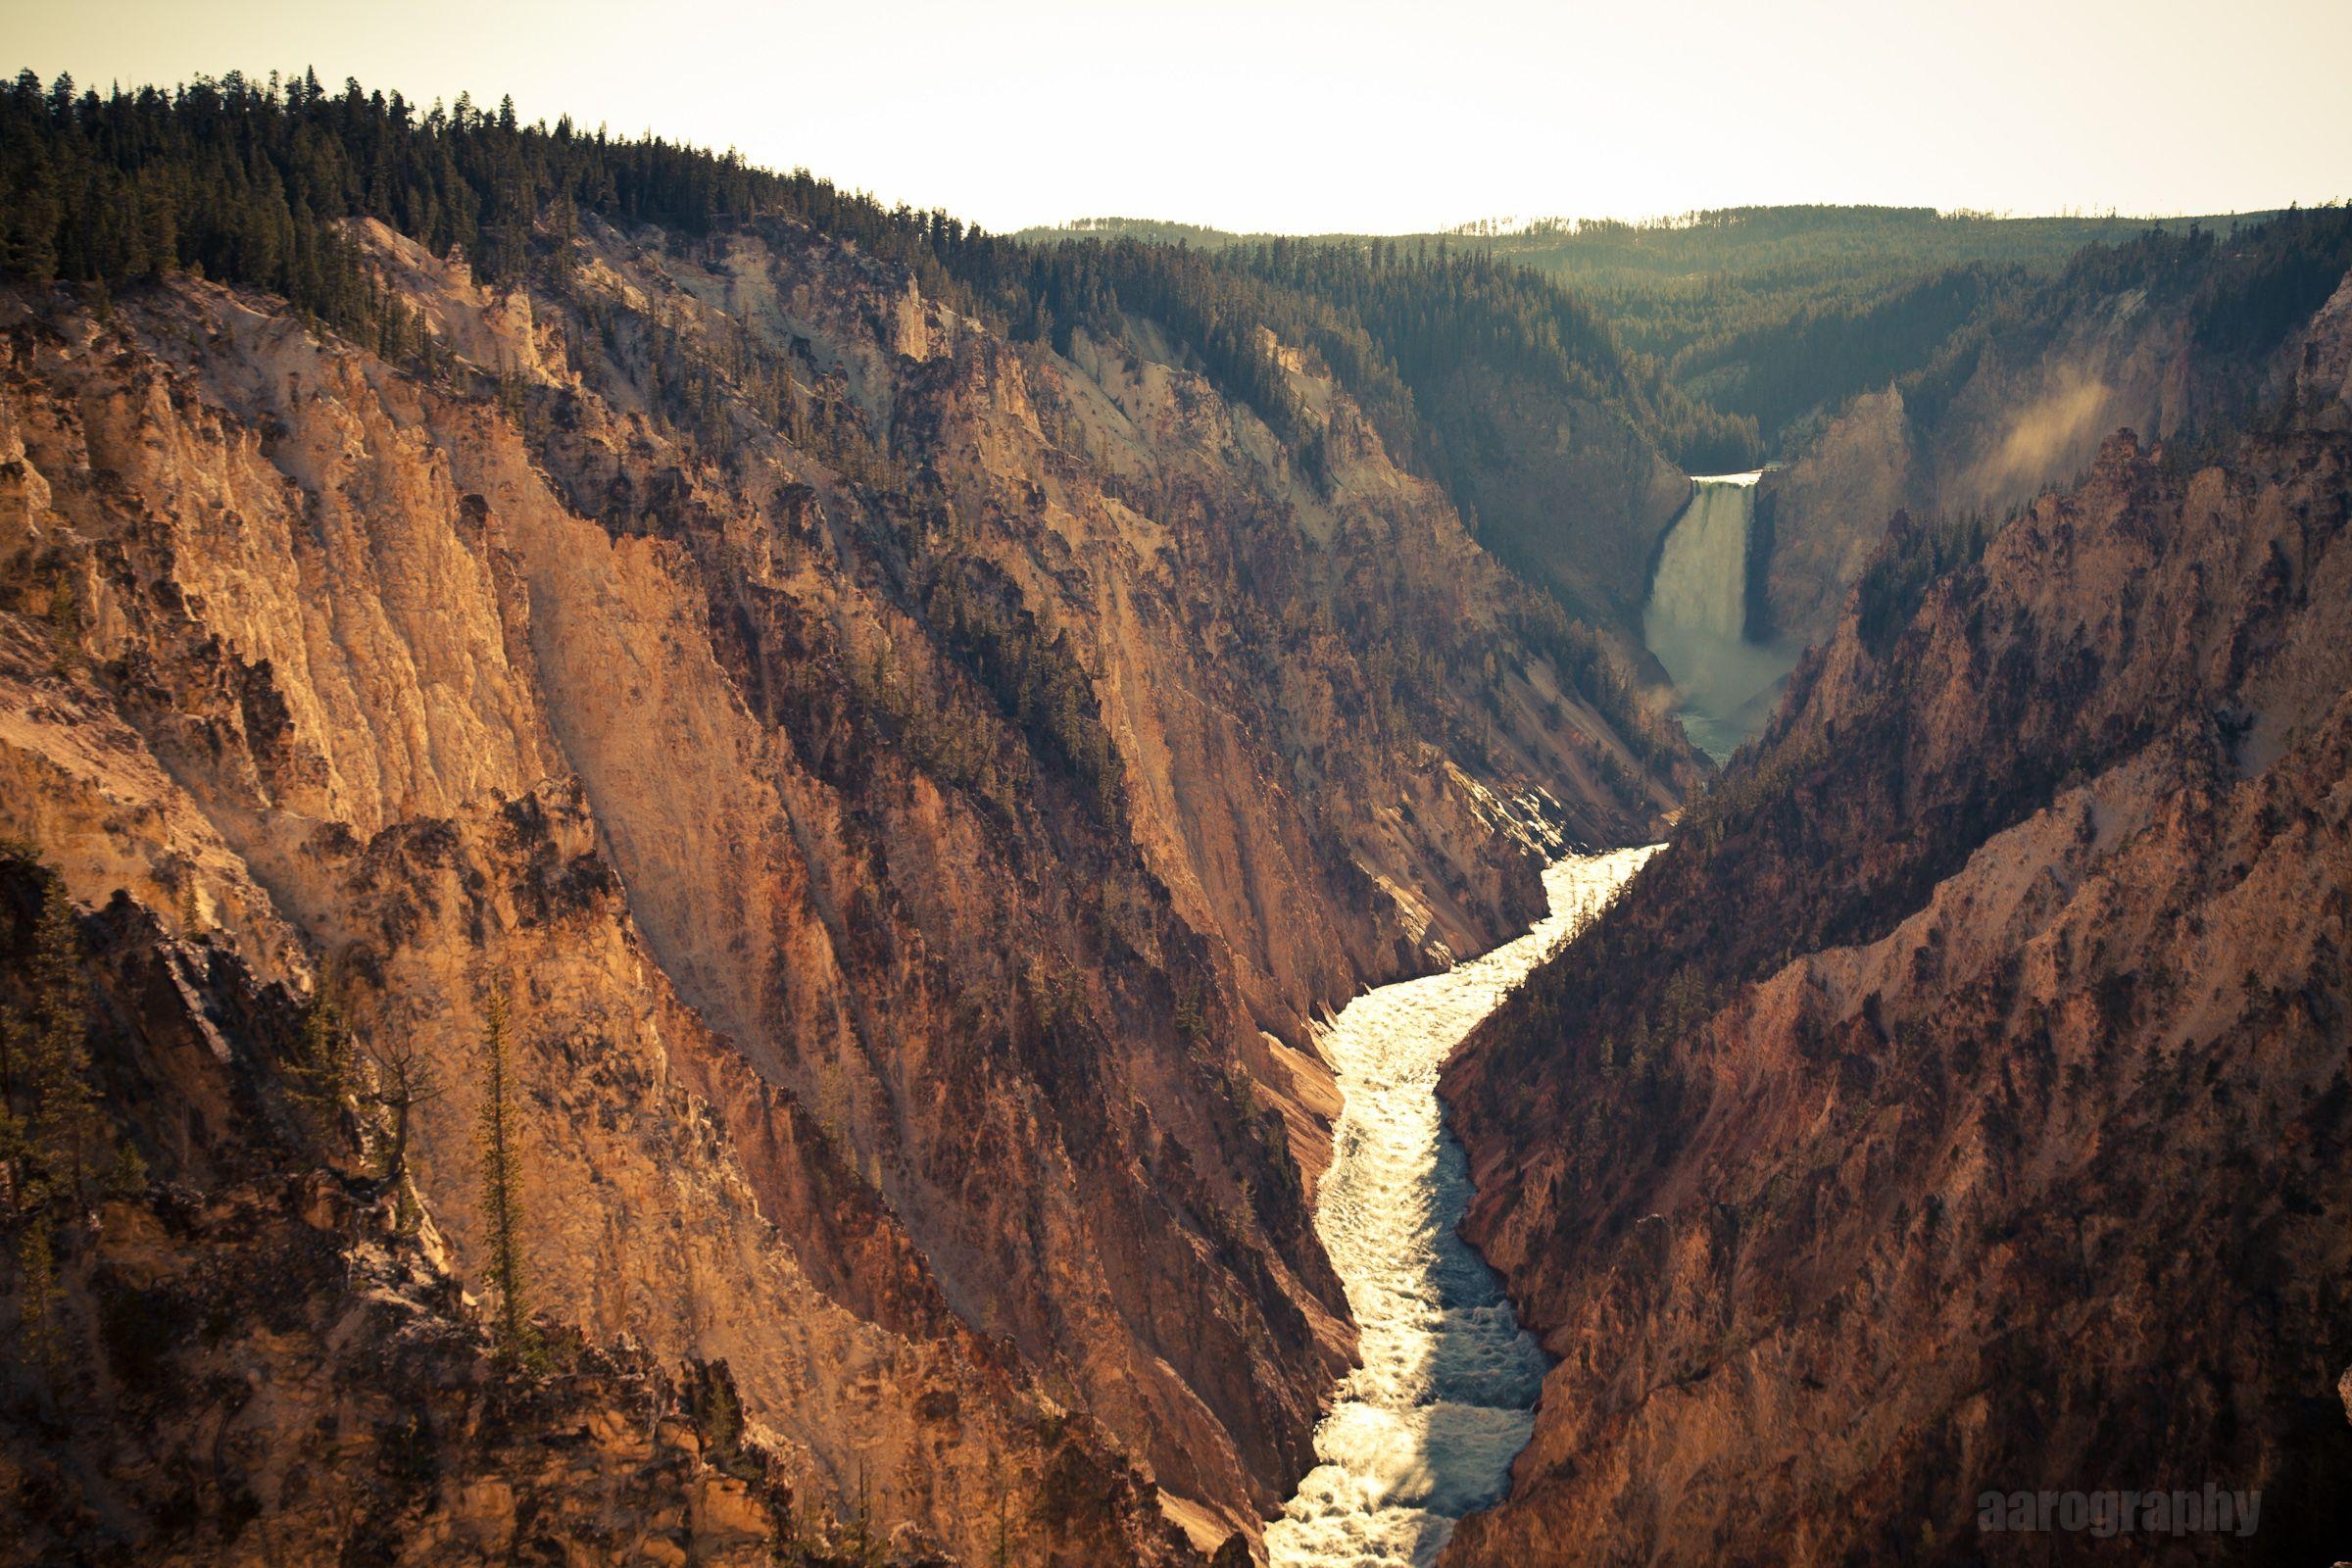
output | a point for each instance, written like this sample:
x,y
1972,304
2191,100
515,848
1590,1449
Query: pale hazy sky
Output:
x,y
1310,114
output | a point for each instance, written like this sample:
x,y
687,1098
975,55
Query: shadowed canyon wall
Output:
x,y
2170,336
1959,1102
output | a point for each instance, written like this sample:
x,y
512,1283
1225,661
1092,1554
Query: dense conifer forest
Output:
x,y
1772,315
2244,287
250,182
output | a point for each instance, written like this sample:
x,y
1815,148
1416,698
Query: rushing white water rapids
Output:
x,y
1426,1429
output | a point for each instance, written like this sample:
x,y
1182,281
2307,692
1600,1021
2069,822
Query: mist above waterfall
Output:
x,y
1697,619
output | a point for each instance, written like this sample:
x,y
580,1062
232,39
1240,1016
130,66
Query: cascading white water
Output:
x,y
1701,585
1697,618
1426,1429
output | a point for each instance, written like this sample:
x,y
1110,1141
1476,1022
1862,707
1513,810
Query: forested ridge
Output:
x,y
248,179
1719,337
1769,314
250,182
2244,290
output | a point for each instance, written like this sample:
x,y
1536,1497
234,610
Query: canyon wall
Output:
x,y
1959,1104
2166,336
1565,491
252,1357
914,788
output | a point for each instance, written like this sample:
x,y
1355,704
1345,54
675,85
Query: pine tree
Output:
x,y
37,1297
322,1063
502,1185
1001,1553
16,1052
65,1105
14,1148
126,1177
866,1544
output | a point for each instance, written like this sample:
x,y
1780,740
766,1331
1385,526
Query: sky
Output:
x,y
1315,115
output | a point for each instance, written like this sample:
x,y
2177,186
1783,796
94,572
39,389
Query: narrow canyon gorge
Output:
x,y
697,872
915,843
1958,1104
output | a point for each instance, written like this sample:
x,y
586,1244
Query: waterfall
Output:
x,y
1701,586
1426,1429
1697,619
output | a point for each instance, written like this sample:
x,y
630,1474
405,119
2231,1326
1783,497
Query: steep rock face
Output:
x,y
2030,415
254,1350
1959,1106
1819,521
650,1219
1565,490
916,789
2138,337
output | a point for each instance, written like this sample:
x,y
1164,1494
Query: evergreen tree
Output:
x,y
126,1177
322,1063
37,1297
999,1554
50,1124
866,1544
499,1139
64,1126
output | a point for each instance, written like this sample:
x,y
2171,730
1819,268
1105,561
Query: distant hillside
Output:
x,y
1762,312
1576,446
2172,336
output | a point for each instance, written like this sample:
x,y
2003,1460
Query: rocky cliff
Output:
x,y
249,1354
1959,1104
915,788
2166,335
1565,490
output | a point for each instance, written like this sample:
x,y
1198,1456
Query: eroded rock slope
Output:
x,y
914,789
1960,1104
2168,335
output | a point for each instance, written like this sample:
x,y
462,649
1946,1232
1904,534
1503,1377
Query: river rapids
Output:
x,y
1426,1429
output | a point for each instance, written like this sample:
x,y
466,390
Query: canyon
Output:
x,y
2004,1154
695,872
915,834
1426,1429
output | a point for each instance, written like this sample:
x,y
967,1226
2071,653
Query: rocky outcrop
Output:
x,y
916,789
253,1349
1958,1106
230,1335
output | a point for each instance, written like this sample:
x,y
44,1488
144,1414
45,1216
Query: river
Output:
x,y
1426,1429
